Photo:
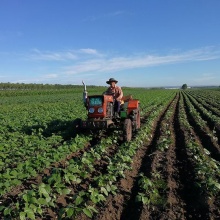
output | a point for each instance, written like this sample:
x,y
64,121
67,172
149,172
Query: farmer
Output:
x,y
116,91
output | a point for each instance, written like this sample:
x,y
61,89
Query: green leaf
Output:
x,y
30,213
70,212
138,198
217,185
33,207
48,199
91,208
104,191
108,188
2,208
16,182
145,200
43,191
14,173
39,211
51,204
33,200
94,199
74,178
66,191
25,197
78,200
42,201
7,211
22,215
87,212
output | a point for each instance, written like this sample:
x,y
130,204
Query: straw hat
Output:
x,y
111,80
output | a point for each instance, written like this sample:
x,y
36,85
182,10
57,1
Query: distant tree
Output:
x,y
184,86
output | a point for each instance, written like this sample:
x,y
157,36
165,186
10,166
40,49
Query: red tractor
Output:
x,y
101,115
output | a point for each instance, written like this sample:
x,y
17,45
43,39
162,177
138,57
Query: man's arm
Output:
x,y
108,92
120,93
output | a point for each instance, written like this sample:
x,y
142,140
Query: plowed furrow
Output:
x,y
178,172
134,210
203,134
212,120
175,205
196,203
209,107
123,205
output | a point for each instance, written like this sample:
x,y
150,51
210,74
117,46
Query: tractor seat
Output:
x,y
126,98
124,101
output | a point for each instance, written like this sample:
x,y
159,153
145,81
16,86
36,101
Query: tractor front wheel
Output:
x,y
127,130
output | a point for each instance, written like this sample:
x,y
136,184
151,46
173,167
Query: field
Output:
x,y
170,169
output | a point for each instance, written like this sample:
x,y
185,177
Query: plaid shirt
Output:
x,y
117,91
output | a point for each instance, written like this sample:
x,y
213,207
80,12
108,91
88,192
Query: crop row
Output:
x,y
32,163
167,189
178,177
38,160
211,106
207,168
208,136
153,185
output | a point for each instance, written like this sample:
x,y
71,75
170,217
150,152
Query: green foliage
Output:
x,y
184,86
34,135
207,169
152,190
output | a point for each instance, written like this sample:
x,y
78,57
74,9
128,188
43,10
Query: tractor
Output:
x,y
102,116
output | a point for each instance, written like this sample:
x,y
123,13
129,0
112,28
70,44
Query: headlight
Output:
x,y
91,110
100,110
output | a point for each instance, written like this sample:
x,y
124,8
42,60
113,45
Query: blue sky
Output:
x,y
142,43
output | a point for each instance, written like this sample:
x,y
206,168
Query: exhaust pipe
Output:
x,y
85,94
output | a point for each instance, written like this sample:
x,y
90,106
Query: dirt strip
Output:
x,y
123,205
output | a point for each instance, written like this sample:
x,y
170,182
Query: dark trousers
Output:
x,y
117,106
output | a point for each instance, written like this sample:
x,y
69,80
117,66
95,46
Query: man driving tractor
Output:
x,y
102,110
117,93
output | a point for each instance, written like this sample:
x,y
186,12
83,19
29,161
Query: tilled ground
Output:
x,y
175,165
163,156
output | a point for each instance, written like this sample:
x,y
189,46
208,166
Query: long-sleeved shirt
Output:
x,y
117,91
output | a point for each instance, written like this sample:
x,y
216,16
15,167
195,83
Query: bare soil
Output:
x,y
175,164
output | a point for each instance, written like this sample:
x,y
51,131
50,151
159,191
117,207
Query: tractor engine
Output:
x,y
100,106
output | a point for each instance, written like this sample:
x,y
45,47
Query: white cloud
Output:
x,y
51,76
112,64
116,13
103,16
52,56
89,51
68,55
87,66
90,64
206,78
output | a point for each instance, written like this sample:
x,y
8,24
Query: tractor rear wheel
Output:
x,y
127,130
138,120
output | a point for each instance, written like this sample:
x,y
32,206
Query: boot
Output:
x,y
117,115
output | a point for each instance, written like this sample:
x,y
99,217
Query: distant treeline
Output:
x,y
33,86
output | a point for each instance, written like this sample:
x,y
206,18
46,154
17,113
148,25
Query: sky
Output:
x,y
140,43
